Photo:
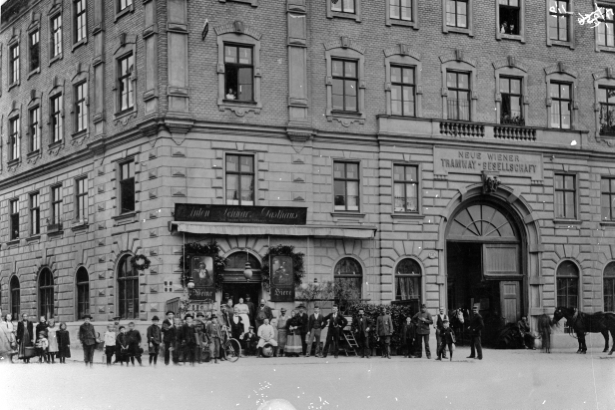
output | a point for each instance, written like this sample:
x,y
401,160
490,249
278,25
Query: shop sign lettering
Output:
x,y
241,214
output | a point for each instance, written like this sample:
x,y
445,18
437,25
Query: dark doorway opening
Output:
x,y
241,290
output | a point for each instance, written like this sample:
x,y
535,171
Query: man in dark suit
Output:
x,y
361,327
315,323
475,327
302,321
168,335
334,322
262,312
236,326
422,320
188,339
384,327
25,337
87,336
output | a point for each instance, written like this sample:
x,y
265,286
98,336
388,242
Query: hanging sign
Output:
x,y
202,273
279,215
282,278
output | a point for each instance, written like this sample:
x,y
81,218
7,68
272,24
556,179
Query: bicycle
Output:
x,y
232,348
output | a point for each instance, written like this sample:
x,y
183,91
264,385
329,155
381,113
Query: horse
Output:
x,y
544,328
581,323
456,324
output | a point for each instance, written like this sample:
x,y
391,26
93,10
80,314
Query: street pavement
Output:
x,y
504,379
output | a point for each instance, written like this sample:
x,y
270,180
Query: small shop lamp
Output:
x,y
247,272
190,284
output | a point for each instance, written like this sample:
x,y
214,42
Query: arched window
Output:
x,y
128,289
45,293
609,287
568,284
348,275
236,262
408,283
83,293
15,297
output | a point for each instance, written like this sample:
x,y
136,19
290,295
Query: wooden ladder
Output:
x,y
351,341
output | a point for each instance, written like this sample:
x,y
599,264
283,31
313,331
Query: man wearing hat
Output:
x,y
154,338
303,327
188,339
315,323
168,336
87,336
201,338
251,308
475,327
423,320
214,335
384,327
281,327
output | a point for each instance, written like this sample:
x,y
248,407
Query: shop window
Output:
x,y
56,120
125,83
561,101
82,281
458,103
14,64
568,284
56,206
609,287
403,91
605,32
35,50
35,126
45,294
81,107
128,289
127,186
238,73
35,214
560,22
346,181
14,212
15,297
14,139
565,196
345,81
81,198
56,37
80,21
606,99
511,111
408,283
240,180
348,277
406,188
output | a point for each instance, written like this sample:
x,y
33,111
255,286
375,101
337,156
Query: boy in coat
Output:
x,y
168,336
154,338
447,338
408,336
121,346
134,344
384,326
87,336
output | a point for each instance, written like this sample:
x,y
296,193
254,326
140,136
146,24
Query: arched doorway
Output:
x,y
235,284
484,251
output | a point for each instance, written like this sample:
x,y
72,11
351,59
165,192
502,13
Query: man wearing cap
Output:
x,y
154,338
440,318
282,319
315,323
447,338
423,320
262,312
362,326
87,336
335,323
168,336
214,335
384,327
265,335
303,327
188,339
475,327
201,338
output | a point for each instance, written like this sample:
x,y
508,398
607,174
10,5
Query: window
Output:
x,y
56,36
127,186
35,137
128,289
81,108
343,6
15,297
348,278
408,283
240,180
35,214
609,287
402,91
400,10
458,95
512,100
14,210
604,31
236,264
81,193
35,51
345,80
561,98
56,205
406,186
568,284
607,199
57,130
126,94
123,4
14,64
457,13
14,138
509,16
565,196
80,20
346,186
239,73
45,293
559,20
606,99
83,293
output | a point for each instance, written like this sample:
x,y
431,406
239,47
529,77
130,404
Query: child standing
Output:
x,y
134,344
41,347
121,346
63,343
52,337
447,338
110,340
154,337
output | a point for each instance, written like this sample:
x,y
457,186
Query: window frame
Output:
x,y
56,204
122,181
34,202
611,195
122,281
349,276
15,296
34,49
80,23
561,73
457,90
56,38
128,78
240,174
405,165
238,66
56,117
14,217
46,294
509,67
420,275
602,79
356,16
456,61
14,129
414,23
578,278
81,212
575,195
469,30
560,100
570,9
34,129
511,94
82,294
14,64
402,55
605,47
358,180
503,36
80,106
344,79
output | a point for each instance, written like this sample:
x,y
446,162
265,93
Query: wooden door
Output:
x,y
510,300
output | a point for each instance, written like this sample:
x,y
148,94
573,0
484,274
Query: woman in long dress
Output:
x,y
243,311
282,320
7,338
52,338
293,336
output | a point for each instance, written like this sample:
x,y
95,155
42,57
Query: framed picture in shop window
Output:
x,y
203,271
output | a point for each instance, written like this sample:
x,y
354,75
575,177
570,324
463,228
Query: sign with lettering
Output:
x,y
241,214
202,273
206,295
282,279
469,161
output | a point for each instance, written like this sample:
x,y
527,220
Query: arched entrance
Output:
x,y
485,261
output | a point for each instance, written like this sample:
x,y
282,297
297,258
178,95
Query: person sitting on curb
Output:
x,y
265,335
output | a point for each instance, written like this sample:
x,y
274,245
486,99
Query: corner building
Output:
x,y
447,152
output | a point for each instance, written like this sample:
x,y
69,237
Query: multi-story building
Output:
x,y
443,152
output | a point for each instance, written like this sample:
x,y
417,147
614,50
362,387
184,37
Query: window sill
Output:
x,y
404,23
605,48
240,108
14,162
79,44
56,58
559,43
128,217
347,215
13,242
80,134
407,216
253,3
56,144
53,234
13,85
33,73
342,15
127,10
33,238
466,31
559,221
80,225
34,154
125,113
513,37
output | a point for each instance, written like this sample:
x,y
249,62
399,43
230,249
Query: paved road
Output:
x,y
504,380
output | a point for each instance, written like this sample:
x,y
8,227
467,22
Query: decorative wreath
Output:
x,y
140,262
197,249
283,250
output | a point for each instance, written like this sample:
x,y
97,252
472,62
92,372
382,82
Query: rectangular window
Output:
x,y
35,214
80,20
35,137
81,198
512,100
127,186
401,9
56,36
240,180
606,99
509,16
57,130
458,95
559,20
406,187
561,101
123,4
81,108
56,205
457,13
343,6
606,27
14,210
565,196
126,68
346,186
345,81
607,199
14,138
35,50
402,91
238,73
14,64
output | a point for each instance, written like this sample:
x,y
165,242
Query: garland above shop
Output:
x,y
197,249
283,250
140,262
